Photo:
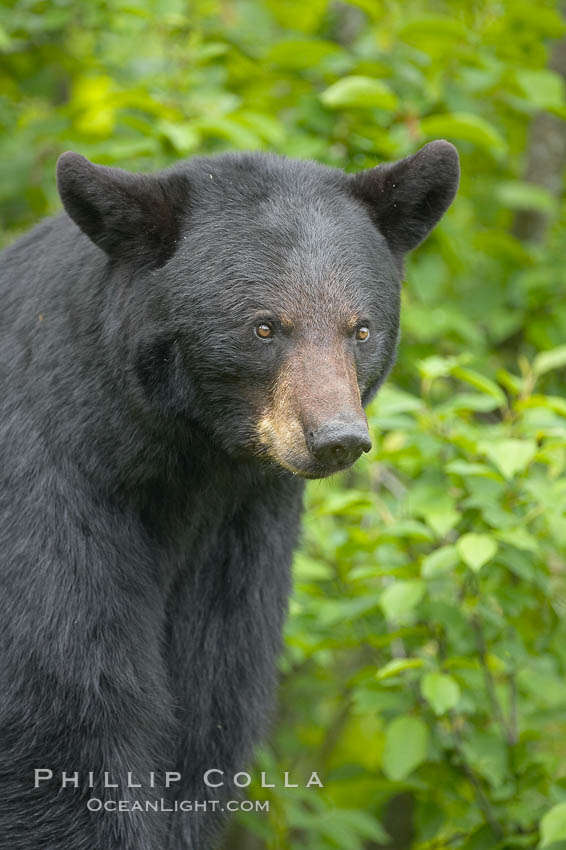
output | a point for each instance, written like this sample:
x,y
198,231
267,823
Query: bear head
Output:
x,y
266,291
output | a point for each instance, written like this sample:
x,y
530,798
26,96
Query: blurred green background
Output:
x,y
424,674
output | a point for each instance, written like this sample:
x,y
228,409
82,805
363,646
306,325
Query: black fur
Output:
x,y
145,543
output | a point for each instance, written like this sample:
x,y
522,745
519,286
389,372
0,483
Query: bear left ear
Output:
x,y
407,198
132,217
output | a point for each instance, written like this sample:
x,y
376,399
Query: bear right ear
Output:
x,y
406,199
132,217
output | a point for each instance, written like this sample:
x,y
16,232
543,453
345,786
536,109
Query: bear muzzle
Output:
x,y
315,424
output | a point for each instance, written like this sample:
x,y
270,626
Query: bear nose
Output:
x,y
339,443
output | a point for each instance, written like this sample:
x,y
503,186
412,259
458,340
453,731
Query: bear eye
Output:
x,y
362,333
265,330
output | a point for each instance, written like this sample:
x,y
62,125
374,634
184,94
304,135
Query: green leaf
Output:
x,y
468,401
442,520
226,127
480,382
549,402
437,367
520,538
298,54
343,826
519,195
465,127
422,31
465,469
298,15
398,665
267,127
5,41
545,687
548,360
401,597
476,550
441,691
361,824
346,502
310,569
358,91
407,528
440,561
509,456
342,610
392,400
553,825
406,747
543,88
182,136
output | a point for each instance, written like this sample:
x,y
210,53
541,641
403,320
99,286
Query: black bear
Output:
x,y
178,352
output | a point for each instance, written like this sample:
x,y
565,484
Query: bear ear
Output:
x,y
407,198
132,217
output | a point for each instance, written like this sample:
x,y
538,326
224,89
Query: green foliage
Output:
x,y
424,676
443,656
